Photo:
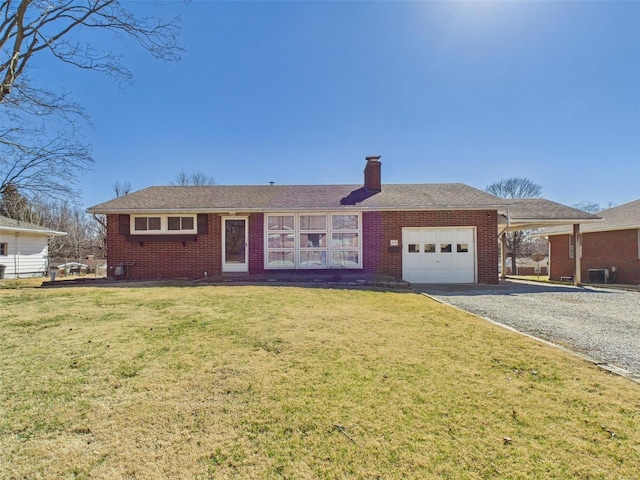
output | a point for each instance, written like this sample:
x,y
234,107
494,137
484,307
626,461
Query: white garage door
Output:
x,y
439,255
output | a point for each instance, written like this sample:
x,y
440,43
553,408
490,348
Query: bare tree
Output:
x,y
592,207
12,203
35,160
41,147
586,206
515,188
195,178
122,189
66,217
99,227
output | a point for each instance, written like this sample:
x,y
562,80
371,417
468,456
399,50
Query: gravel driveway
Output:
x,y
603,324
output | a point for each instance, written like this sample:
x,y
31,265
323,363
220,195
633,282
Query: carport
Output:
x,y
530,213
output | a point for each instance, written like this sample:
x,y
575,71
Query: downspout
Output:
x,y
508,224
16,257
47,265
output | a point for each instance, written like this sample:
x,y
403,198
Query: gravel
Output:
x,y
602,324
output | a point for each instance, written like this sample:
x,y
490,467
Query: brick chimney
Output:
x,y
372,176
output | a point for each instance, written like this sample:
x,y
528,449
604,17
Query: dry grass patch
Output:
x,y
17,283
259,382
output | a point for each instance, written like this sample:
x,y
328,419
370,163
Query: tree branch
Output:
x,y
40,146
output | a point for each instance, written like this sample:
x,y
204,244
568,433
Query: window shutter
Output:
x,y
203,224
123,224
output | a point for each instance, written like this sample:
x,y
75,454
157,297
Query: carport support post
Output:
x,y
577,253
503,256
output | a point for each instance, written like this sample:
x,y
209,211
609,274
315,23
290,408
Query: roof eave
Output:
x,y
289,208
554,221
45,233
594,229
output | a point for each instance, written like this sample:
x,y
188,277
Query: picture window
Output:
x,y
280,222
313,240
318,240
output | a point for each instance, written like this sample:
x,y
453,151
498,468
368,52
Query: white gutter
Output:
x,y
325,208
47,233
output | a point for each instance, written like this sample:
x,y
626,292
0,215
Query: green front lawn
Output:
x,y
283,382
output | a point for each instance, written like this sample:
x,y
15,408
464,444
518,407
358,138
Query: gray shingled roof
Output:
x,y
11,225
300,197
532,213
523,213
622,217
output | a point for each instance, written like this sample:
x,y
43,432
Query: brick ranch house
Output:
x,y
610,249
422,233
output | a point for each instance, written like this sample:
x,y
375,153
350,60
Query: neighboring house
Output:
x,y
422,233
24,248
610,248
526,266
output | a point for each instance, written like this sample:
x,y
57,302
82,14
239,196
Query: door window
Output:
x,y
234,247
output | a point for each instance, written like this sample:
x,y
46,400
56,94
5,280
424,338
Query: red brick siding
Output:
x,y
379,228
599,250
191,260
154,260
256,243
560,265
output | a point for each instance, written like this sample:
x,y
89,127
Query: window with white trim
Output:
x,y
345,240
281,241
4,249
181,223
313,240
163,224
639,243
144,224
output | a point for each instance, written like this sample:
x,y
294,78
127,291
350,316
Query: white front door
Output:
x,y
235,245
439,255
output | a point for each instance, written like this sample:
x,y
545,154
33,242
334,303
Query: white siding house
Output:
x,y
24,248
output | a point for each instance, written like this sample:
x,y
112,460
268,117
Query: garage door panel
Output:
x,y
462,235
462,260
439,255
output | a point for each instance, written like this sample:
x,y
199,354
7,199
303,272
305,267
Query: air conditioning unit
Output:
x,y
598,275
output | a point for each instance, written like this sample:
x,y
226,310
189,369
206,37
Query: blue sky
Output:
x,y
301,92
